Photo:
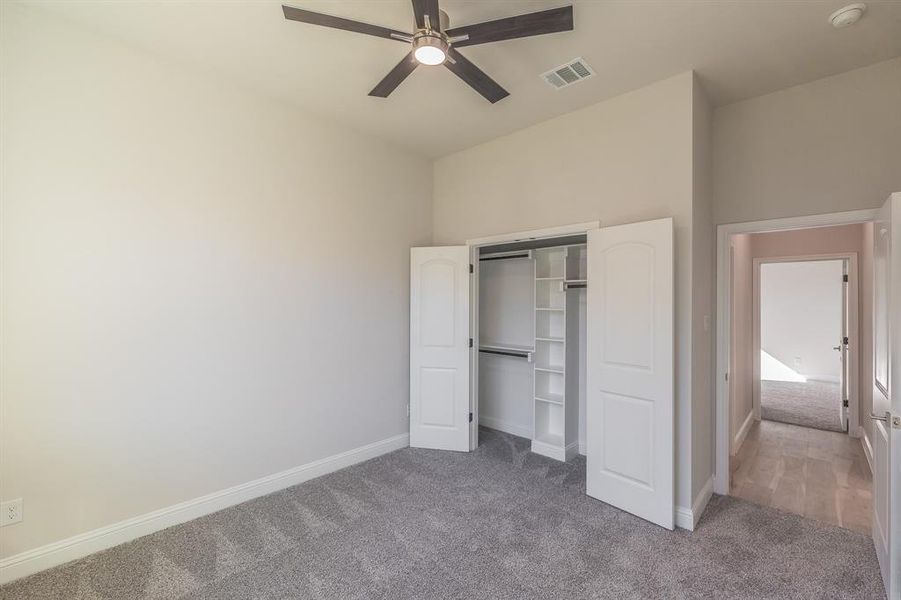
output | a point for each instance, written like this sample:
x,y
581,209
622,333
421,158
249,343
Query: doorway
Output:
x,y
804,353
794,392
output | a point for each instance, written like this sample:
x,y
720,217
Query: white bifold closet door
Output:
x,y
630,369
439,348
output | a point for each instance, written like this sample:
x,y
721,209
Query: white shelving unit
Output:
x,y
555,403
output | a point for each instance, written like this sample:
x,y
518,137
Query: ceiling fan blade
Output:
x,y
395,77
537,23
430,8
475,77
306,16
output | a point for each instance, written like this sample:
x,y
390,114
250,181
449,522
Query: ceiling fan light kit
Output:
x,y
433,41
429,48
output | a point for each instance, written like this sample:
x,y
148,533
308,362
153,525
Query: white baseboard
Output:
x,y
867,446
63,551
506,427
742,433
555,452
688,518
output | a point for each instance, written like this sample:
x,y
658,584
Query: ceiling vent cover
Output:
x,y
567,74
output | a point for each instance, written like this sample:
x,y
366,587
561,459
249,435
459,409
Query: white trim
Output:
x,y
867,446
78,546
688,518
724,316
535,234
853,327
498,424
555,452
743,433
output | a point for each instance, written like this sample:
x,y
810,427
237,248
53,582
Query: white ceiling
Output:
x,y
740,48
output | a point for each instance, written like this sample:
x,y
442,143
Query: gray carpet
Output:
x,y
812,404
497,523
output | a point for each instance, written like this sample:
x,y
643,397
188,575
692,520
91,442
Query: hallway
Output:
x,y
821,475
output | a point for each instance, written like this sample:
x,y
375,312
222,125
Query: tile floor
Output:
x,y
822,475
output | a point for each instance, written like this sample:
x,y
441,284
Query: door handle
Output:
x,y
888,419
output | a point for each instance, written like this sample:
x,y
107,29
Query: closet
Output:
x,y
531,341
563,336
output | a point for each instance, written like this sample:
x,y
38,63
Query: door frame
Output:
x,y
853,326
724,315
475,245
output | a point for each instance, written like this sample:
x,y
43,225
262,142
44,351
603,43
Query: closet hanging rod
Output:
x,y
512,353
506,255
575,285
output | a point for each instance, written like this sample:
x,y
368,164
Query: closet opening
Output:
x,y
528,323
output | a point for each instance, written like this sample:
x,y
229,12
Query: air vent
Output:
x,y
565,75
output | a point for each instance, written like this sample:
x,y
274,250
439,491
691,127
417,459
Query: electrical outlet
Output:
x,y
10,512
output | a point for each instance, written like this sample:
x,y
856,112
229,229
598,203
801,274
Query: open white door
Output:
x,y
439,348
886,397
630,369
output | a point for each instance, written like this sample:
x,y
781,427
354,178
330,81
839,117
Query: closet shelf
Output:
x,y
550,309
549,339
558,370
549,279
550,398
507,347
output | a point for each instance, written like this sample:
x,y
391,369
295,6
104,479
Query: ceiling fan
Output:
x,y
435,44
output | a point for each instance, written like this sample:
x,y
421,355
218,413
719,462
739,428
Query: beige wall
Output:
x,y
189,272
801,242
623,160
703,269
826,146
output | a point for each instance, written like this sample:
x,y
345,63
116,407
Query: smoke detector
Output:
x,y
848,15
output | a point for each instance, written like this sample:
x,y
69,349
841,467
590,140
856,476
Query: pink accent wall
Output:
x,y
741,368
800,242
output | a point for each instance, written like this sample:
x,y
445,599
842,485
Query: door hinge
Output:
x,y
845,403
470,342
471,268
470,417
845,278
727,377
845,341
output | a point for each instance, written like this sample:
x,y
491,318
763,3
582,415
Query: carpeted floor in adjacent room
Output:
x,y
815,404
497,523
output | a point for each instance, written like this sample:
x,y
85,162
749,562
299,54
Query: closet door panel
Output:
x,y
439,348
629,394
